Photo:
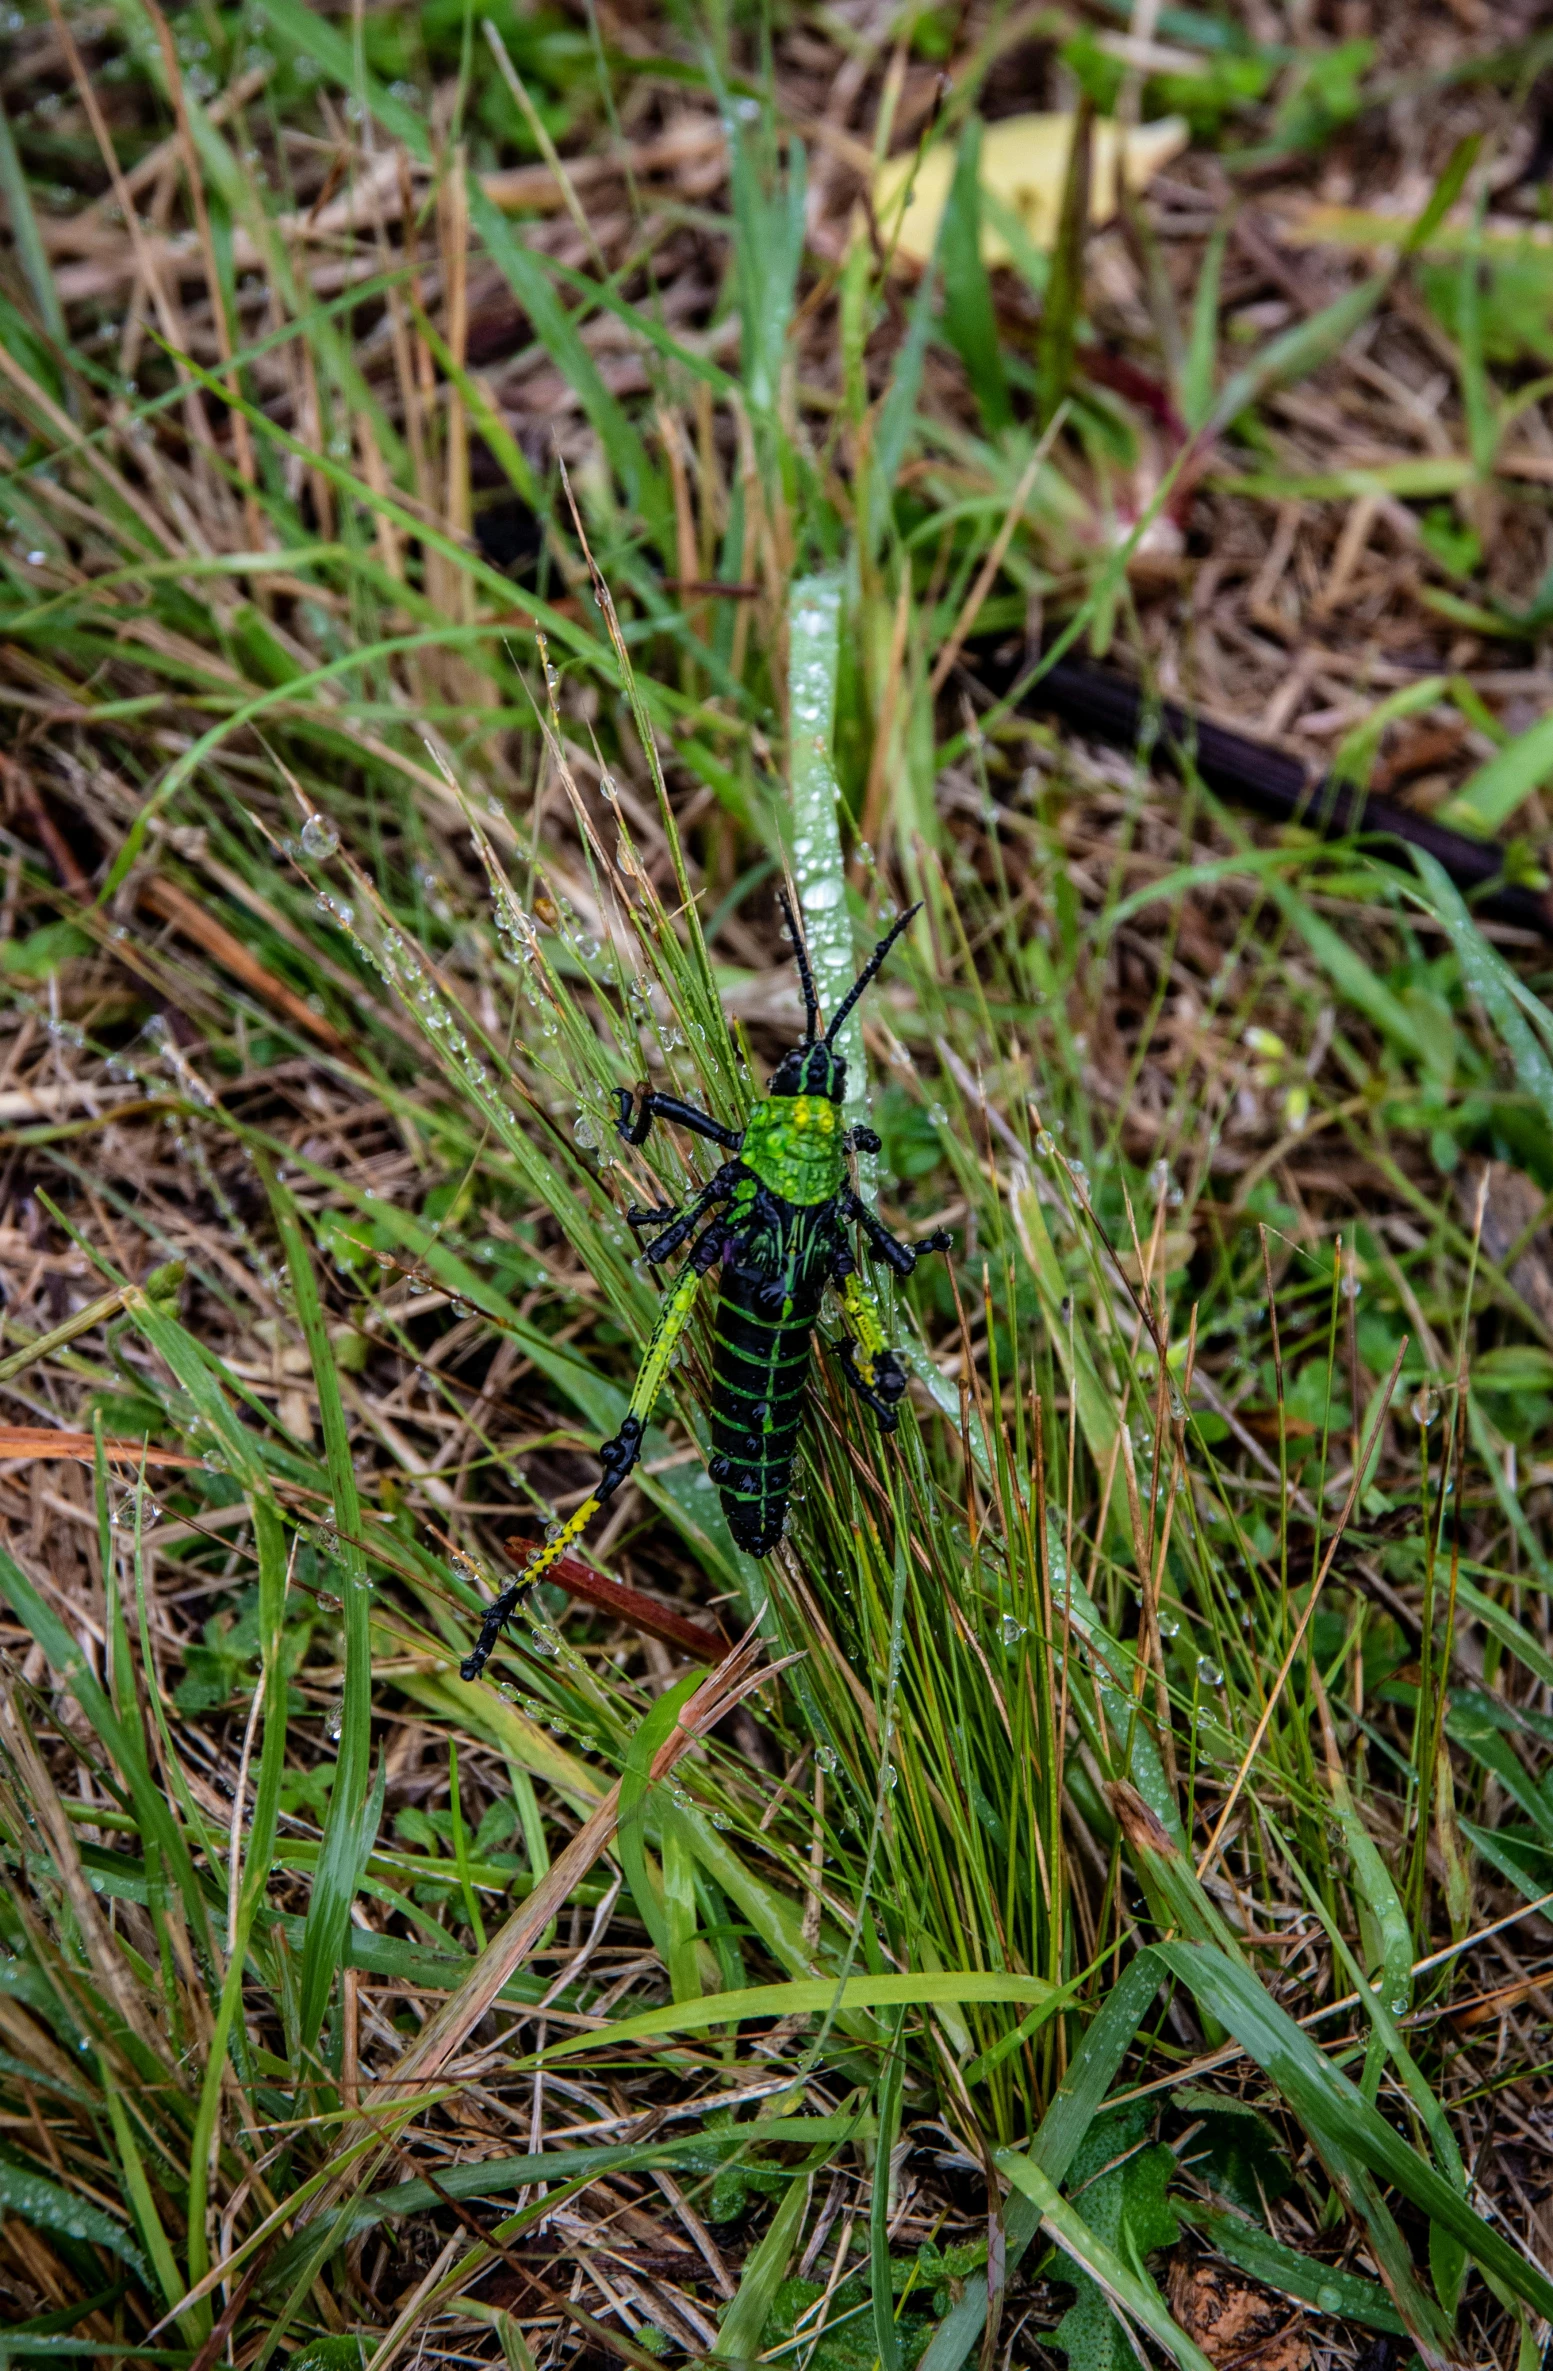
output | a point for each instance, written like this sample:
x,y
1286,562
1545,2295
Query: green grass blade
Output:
x,y
888,2111
970,323
350,1824
1353,2138
1327,2287
738,2339
1131,2293
1203,343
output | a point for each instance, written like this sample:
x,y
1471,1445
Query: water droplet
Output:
x,y
1208,1673
1077,1171
1169,1626
1329,2297
1013,1631
826,1757
319,837
585,1132
334,1725
1424,1406
1046,1144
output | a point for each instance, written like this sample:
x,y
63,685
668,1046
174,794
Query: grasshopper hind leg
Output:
x,y
616,1457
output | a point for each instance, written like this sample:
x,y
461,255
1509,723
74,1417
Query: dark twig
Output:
x,y
1108,706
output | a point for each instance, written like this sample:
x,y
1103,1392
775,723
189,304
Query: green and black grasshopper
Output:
x,y
777,1219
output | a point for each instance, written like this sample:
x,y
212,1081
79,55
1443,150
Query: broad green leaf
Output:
x,y
1124,2204
1129,2291
1325,2286
1356,2144
64,2213
1055,2145
739,2337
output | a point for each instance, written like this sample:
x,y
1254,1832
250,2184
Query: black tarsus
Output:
x,y
662,1214
497,1615
811,1003
869,969
669,1107
863,1139
617,1457
883,1394
902,1257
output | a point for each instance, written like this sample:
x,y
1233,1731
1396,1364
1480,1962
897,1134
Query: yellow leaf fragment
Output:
x,y
1024,162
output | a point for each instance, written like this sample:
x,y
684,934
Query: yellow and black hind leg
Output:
x,y
873,1369
616,1456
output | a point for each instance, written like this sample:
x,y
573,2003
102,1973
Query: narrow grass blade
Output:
x,y
1325,2286
888,2111
30,250
1487,799
819,871
738,2340
1203,344
350,1824
970,324
813,1997
1355,2141
1131,2293
1064,297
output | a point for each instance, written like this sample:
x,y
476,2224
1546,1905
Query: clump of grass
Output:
x,y
1151,1734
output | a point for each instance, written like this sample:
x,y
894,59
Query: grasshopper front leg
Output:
x,y
617,1458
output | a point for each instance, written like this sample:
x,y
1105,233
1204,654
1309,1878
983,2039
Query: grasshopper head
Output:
x,y
812,1069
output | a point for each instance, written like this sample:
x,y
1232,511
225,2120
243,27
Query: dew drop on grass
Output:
x,y
1329,2297
319,837
585,1131
1046,1144
1169,1626
334,1725
1208,1673
1425,1406
1013,1631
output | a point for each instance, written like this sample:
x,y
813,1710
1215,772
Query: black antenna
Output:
x,y
870,968
811,1003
